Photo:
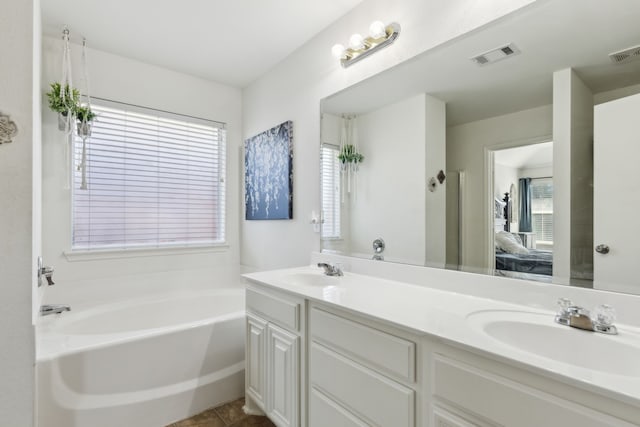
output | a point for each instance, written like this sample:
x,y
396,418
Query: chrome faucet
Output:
x,y
48,309
330,269
578,317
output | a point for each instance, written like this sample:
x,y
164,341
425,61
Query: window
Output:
x,y
330,169
542,209
155,179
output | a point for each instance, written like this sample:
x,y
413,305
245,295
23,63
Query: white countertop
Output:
x,y
452,316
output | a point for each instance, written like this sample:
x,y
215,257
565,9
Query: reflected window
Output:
x,y
330,170
542,209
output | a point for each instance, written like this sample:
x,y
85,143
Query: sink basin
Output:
x,y
538,334
312,279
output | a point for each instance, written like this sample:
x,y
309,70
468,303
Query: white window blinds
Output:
x,y
330,169
542,209
155,179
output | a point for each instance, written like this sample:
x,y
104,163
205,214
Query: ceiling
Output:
x,y
527,156
227,41
551,34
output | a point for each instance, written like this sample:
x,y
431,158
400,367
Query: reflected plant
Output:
x,y
348,154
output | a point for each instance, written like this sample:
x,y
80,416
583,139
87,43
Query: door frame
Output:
x,y
489,182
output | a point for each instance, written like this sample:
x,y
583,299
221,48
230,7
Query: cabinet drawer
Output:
x,y
379,349
369,395
325,412
282,311
506,402
444,418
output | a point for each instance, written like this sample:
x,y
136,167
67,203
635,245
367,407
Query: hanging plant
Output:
x,y
84,113
349,157
349,154
63,103
60,104
84,116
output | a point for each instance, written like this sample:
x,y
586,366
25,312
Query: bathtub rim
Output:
x,y
52,343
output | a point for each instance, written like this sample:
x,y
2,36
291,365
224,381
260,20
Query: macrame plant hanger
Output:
x,y
344,183
355,166
84,125
349,168
65,123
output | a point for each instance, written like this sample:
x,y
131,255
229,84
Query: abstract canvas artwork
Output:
x,y
268,178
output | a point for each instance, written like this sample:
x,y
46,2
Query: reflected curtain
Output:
x,y
524,189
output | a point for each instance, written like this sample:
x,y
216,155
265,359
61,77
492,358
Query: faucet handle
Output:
x,y
604,315
44,271
564,304
331,269
47,272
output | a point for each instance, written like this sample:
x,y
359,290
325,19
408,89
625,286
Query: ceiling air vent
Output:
x,y
624,56
496,54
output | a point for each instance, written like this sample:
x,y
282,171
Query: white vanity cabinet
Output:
x,y
313,362
273,354
361,373
471,391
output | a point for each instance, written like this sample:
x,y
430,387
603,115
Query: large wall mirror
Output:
x,y
509,151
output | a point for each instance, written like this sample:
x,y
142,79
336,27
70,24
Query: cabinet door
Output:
x,y
283,377
256,372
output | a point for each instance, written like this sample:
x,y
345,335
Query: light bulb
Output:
x,y
338,51
377,30
356,42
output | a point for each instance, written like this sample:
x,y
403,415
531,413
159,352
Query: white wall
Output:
x,y
391,182
467,146
126,80
611,95
572,177
403,145
36,198
16,216
293,89
504,176
435,133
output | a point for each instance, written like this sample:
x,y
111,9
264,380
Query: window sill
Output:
x,y
103,254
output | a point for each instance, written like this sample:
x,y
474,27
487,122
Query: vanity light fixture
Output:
x,y
380,35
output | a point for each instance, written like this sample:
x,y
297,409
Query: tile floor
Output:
x,y
227,415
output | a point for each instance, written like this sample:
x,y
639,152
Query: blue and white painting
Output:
x,y
268,163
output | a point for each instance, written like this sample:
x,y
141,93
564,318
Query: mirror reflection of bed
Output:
x,y
523,220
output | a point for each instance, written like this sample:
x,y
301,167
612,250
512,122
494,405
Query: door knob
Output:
x,y
602,249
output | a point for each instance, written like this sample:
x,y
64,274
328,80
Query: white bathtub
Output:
x,y
146,362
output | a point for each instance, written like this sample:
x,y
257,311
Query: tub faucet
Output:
x,y
48,309
330,269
